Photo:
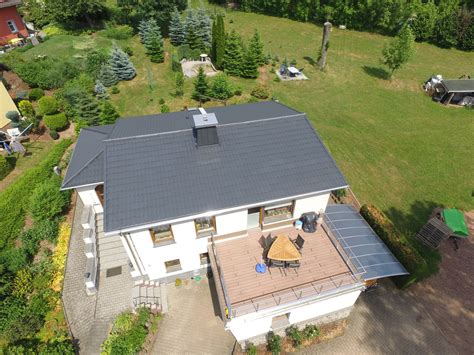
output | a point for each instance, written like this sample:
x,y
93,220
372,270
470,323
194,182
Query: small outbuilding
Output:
x,y
455,92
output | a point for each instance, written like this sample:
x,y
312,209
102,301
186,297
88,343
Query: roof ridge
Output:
x,y
85,166
95,130
219,125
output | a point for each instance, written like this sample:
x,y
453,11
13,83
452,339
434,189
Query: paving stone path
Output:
x,y
91,316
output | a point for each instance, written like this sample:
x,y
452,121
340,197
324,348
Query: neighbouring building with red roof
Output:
x,y
11,23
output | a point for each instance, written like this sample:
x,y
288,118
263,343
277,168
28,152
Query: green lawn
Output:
x,y
397,148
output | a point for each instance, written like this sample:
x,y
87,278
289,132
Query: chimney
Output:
x,y
205,128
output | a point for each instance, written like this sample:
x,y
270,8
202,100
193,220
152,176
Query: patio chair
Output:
x,y
299,242
277,264
293,265
268,241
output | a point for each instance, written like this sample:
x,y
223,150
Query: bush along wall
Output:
x,y
399,245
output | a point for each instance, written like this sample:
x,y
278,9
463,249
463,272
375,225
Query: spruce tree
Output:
x,y
190,28
154,46
143,28
100,91
179,84
201,86
203,28
256,47
153,30
233,56
218,42
249,65
176,29
107,76
121,64
108,113
87,109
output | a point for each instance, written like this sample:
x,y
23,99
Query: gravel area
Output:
x,y
447,296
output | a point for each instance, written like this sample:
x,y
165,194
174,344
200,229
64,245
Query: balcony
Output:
x,y
325,269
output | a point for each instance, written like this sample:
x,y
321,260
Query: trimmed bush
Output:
x,y
13,116
48,105
36,94
57,122
54,134
118,32
6,165
47,201
260,92
274,342
295,335
310,331
398,244
18,193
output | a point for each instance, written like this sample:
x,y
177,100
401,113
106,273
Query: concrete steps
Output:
x,y
147,294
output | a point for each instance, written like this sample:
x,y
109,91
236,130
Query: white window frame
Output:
x,y
11,24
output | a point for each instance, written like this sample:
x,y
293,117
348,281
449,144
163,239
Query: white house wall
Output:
x,y
231,222
310,204
186,248
89,197
252,325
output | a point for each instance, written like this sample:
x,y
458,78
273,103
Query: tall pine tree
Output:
x,y
108,113
154,43
107,76
249,65
218,42
233,56
256,47
87,109
201,86
176,29
191,32
204,27
121,64
143,28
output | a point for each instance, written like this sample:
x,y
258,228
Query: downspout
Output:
x,y
132,253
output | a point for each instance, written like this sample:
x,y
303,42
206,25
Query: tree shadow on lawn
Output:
x,y
376,72
310,60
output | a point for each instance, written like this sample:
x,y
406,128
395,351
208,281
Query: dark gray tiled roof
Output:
x,y
85,167
153,171
163,177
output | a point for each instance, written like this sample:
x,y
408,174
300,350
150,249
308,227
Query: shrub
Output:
x,y
26,109
175,63
221,87
295,335
251,349
47,201
310,331
161,101
5,167
277,79
22,284
59,256
274,342
18,193
165,108
48,105
13,116
339,194
260,92
118,32
115,90
57,122
238,92
128,50
398,244
54,134
36,94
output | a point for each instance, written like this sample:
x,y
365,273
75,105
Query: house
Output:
x,y
6,104
11,24
189,191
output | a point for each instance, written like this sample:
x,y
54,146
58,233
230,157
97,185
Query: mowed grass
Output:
x,y
398,149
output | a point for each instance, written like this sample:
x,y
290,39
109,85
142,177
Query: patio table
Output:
x,y
283,249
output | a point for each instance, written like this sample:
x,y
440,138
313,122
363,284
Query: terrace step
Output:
x,y
147,294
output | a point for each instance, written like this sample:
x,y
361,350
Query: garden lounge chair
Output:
x,y
299,242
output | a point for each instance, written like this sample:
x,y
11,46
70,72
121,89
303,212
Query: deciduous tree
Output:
x,y
400,50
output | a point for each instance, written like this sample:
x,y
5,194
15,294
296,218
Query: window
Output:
x,y
12,26
205,226
172,265
278,212
161,234
204,257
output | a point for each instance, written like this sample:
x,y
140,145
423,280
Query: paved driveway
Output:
x,y
192,325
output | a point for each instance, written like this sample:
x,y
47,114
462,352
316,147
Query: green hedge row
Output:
x,y
399,244
14,199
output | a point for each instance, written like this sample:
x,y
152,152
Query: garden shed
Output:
x,y
457,92
6,104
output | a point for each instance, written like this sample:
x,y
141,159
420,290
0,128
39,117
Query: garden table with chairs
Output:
x,y
283,249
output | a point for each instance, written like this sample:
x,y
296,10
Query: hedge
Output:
x,y
6,165
399,245
14,199
57,122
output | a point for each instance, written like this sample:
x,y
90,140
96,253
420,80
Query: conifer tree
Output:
x,y
108,113
203,28
107,76
233,55
179,84
154,46
121,64
218,42
256,47
153,29
143,28
190,28
100,91
249,65
176,29
87,109
201,86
